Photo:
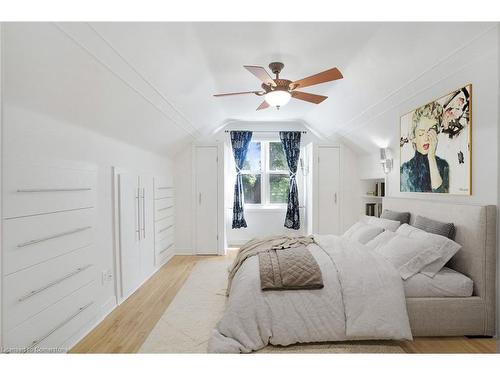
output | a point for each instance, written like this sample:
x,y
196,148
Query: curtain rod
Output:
x,y
264,131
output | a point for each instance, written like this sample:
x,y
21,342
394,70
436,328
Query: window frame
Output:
x,y
265,172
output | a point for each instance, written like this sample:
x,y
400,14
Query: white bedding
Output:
x,y
363,298
446,283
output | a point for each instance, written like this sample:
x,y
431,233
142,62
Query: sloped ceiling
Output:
x,y
151,84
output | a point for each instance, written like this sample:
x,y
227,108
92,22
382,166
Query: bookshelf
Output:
x,y
372,192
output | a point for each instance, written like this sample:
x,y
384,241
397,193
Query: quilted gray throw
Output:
x,y
293,268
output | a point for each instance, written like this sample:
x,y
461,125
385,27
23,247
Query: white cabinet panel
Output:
x,y
163,187
30,189
148,228
49,261
168,231
206,190
130,232
328,190
164,207
54,325
34,239
137,230
164,247
29,291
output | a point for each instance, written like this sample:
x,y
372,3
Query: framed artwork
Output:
x,y
435,146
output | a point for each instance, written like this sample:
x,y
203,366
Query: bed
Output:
x,y
364,296
476,232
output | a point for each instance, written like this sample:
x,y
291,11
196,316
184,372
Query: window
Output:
x,y
252,174
265,174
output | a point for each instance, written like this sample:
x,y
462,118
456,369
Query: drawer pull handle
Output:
x,y
165,249
165,208
164,187
164,229
67,320
55,282
32,242
54,190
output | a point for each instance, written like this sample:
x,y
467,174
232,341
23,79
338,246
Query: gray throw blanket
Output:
x,y
289,269
258,245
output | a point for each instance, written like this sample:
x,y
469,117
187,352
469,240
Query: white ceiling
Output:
x,y
151,84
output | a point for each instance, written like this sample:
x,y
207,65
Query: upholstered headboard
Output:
x,y
475,231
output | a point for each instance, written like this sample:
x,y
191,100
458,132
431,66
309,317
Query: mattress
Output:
x,y
446,283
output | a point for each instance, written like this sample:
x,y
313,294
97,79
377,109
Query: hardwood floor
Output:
x,y
128,326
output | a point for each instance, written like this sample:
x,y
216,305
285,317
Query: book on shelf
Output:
x,y
370,209
373,209
380,189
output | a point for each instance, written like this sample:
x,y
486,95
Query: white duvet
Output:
x,y
362,298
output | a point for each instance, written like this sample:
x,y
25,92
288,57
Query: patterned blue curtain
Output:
x,y
291,145
239,141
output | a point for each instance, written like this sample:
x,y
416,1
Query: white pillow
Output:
x,y
362,232
382,238
445,247
408,255
386,224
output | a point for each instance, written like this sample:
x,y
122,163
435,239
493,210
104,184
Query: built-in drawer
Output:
x,y
164,213
162,257
168,232
50,328
31,189
164,245
164,224
164,203
164,192
31,290
34,239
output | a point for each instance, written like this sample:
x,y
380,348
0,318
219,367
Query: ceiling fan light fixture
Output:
x,y
277,98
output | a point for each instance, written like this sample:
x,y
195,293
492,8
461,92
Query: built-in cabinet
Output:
x,y
206,199
164,216
49,261
136,230
327,190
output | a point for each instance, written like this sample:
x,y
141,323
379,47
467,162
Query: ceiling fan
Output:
x,y
277,91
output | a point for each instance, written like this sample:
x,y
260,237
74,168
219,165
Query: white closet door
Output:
x,y
147,226
130,257
328,190
206,188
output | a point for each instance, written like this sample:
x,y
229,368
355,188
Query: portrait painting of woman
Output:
x,y
435,146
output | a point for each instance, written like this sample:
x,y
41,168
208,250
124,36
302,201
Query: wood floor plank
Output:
x,y
128,326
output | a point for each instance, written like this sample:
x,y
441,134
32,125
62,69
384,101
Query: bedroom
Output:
x,y
236,187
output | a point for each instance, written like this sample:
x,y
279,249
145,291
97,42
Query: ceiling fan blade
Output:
x,y
261,74
240,93
326,76
312,98
262,105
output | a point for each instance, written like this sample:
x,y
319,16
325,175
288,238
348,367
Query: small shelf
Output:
x,y
371,197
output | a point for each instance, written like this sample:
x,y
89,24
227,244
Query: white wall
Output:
x,y
482,72
1,160
498,185
29,135
261,222
477,63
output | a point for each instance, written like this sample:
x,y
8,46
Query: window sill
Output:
x,y
265,208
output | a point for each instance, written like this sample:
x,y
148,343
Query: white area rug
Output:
x,y
186,325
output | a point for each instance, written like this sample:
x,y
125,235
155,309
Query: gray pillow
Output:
x,y
402,217
436,227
